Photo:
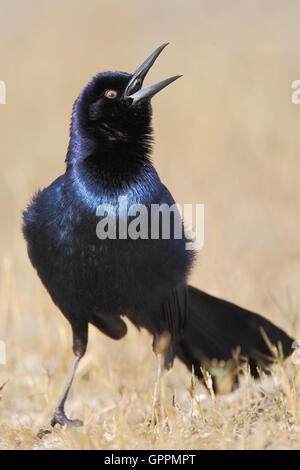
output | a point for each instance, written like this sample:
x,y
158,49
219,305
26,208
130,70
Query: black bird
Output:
x,y
99,279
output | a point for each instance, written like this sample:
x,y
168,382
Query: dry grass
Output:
x,y
113,393
227,135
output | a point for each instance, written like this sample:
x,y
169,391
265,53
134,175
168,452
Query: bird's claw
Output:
x,y
43,431
59,417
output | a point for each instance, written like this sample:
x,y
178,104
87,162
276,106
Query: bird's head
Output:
x,y
114,109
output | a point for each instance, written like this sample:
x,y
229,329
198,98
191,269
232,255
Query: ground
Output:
x,y
113,395
227,135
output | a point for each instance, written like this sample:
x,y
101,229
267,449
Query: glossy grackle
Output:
x,y
98,279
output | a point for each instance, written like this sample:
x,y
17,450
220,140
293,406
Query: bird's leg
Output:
x,y
59,416
80,338
161,343
160,362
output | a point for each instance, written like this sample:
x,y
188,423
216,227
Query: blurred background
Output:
x,y
227,135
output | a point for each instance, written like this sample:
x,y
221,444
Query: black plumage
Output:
x,y
98,281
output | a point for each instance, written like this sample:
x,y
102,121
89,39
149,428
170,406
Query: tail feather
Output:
x,y
214,328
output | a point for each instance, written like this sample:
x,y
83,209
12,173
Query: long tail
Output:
x,y
214,328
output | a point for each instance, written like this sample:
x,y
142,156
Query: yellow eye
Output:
x,y
111,94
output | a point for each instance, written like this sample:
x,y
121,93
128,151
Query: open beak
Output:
x,y
134,90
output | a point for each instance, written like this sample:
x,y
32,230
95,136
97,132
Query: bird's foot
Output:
x,y
59,417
